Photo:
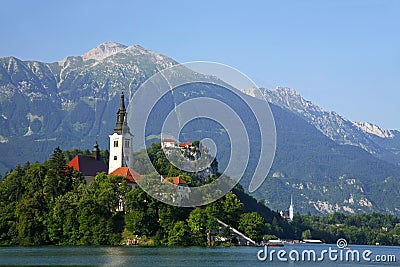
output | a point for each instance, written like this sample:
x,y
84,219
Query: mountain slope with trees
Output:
x,y
71,103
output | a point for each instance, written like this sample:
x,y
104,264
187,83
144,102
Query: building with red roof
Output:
x,y
175,180
188,144
182,189
121,151
130,175
89,166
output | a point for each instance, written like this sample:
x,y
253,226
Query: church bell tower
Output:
x,y
291,209
121,141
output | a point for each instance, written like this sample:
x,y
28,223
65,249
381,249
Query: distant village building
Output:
x,y
168,143
182,189
172,143
187,149
289,214
186,145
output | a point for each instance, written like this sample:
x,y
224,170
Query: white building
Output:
x,y
291,209
121,141
289,213
168,143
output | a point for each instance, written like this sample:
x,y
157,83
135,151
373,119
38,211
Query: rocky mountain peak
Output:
x,y
374,129
104,50
286,91
336,127
290,99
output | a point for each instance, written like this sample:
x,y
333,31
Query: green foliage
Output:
x,y
252,225
49,204
179,234
63,221
366,229
141,213
201,224
29,215
269,237
306,234
196,143
232,209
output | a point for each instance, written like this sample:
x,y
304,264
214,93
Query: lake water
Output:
x,y
213,257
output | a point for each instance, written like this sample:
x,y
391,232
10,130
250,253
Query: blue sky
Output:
x,y
343,55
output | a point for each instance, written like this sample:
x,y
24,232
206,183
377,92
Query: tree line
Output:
x,y
50,204
365,229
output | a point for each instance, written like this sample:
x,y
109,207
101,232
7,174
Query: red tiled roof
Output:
x,y
87,165
185,144
175,180
130,175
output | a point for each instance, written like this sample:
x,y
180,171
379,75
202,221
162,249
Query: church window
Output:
x,y
115,157
115,143
127,143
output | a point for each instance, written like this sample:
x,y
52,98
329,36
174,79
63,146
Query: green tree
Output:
x,y
179,234
100,221
95,223
269,237
252,225
202,224
306,234
33,178
168,215
63,224
142,216
174,171
30,216
57,160
11,186
109,190
232,209
8,231
196,143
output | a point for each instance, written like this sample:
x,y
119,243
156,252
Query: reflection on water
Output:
x,y
155,257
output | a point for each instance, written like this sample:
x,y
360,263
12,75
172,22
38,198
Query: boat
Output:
x,y
275,243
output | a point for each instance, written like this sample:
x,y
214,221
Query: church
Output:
x,y
121,153
289,214
121,157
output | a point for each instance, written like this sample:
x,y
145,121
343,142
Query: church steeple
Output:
x,y
291,208
121,115
121,141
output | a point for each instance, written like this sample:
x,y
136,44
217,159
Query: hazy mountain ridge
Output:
x,y
325,176
379,142
73,102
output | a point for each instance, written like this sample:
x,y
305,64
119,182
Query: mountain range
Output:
x,y
384,144
325,161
